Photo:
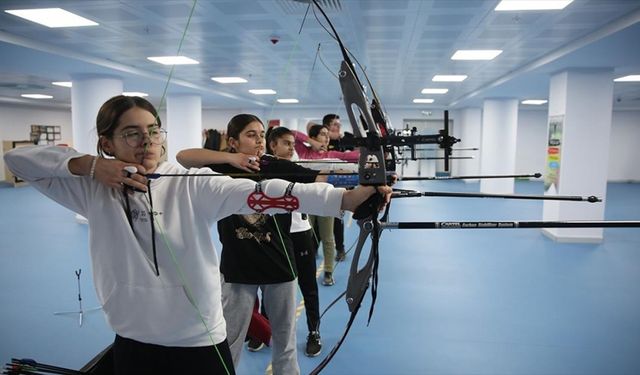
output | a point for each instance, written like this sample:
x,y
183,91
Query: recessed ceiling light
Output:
x,y
476,54
262,92
630,78
449,78
534,101
288,101
135,93
62,83
434,91
423,101
506,5
36,96
229,79
52,17
173,60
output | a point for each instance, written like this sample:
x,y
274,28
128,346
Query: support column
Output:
x,y
498,148
470,132
88,93
184,124
580,110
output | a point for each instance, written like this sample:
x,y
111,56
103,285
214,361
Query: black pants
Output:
x,y
134,357
338,233
304,249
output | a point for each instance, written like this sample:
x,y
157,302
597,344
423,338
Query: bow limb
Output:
x,y
359,280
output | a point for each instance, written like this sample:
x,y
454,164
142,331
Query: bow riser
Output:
x,y
371,164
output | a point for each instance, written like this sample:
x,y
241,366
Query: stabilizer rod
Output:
x,y
413,194
534,175
509,224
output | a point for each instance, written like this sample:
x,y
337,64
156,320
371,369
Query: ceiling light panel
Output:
x,y
534,101
62,83
288,101
135,93
52,17
519,5
423,101
476,54
173,60
434,91
262,92
449,78
629,78
229,79
37,96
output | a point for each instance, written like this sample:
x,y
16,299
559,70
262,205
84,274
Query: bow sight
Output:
x,y
375,137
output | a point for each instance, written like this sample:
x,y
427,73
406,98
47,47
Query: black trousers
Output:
x,y
338,233
304,249
134,357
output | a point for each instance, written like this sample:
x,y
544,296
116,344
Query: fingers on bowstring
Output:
x,y
133,179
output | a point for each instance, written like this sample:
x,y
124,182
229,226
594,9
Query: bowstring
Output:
x,y
187,288
184,35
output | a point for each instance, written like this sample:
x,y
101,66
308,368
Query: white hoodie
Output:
x,y
181,307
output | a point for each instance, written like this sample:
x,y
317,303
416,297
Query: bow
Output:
x,y
376,163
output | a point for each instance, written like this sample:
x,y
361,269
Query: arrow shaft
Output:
x,y
509,224
436,158
534,175
453,149
408,194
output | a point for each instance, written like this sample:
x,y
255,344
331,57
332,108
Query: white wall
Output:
x,y
624,154
531,144
16,121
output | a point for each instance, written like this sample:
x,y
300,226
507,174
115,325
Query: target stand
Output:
x,y
80,312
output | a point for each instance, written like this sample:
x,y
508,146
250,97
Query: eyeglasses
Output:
x,y
134,138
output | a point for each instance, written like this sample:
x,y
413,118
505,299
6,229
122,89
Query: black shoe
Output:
x,y
340,255
254,345
314,346
328,279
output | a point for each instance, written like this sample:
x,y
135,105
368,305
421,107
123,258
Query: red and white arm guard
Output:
x,y
260,202
278,196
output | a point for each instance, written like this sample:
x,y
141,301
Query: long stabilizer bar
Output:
x,y
509,224
413,194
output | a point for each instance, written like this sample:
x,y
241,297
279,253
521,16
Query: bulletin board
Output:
x,y
45,134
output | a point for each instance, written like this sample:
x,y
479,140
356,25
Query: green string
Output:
x,y
284,250
184,34
185,285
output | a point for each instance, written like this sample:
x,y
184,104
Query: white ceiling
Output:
x,y
401,43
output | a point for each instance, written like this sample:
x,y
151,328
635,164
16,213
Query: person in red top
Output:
x,y
319,139
319,144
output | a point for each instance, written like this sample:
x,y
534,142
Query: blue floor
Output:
x,y
449,301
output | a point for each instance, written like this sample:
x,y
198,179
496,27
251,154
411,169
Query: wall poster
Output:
x,y
554,147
